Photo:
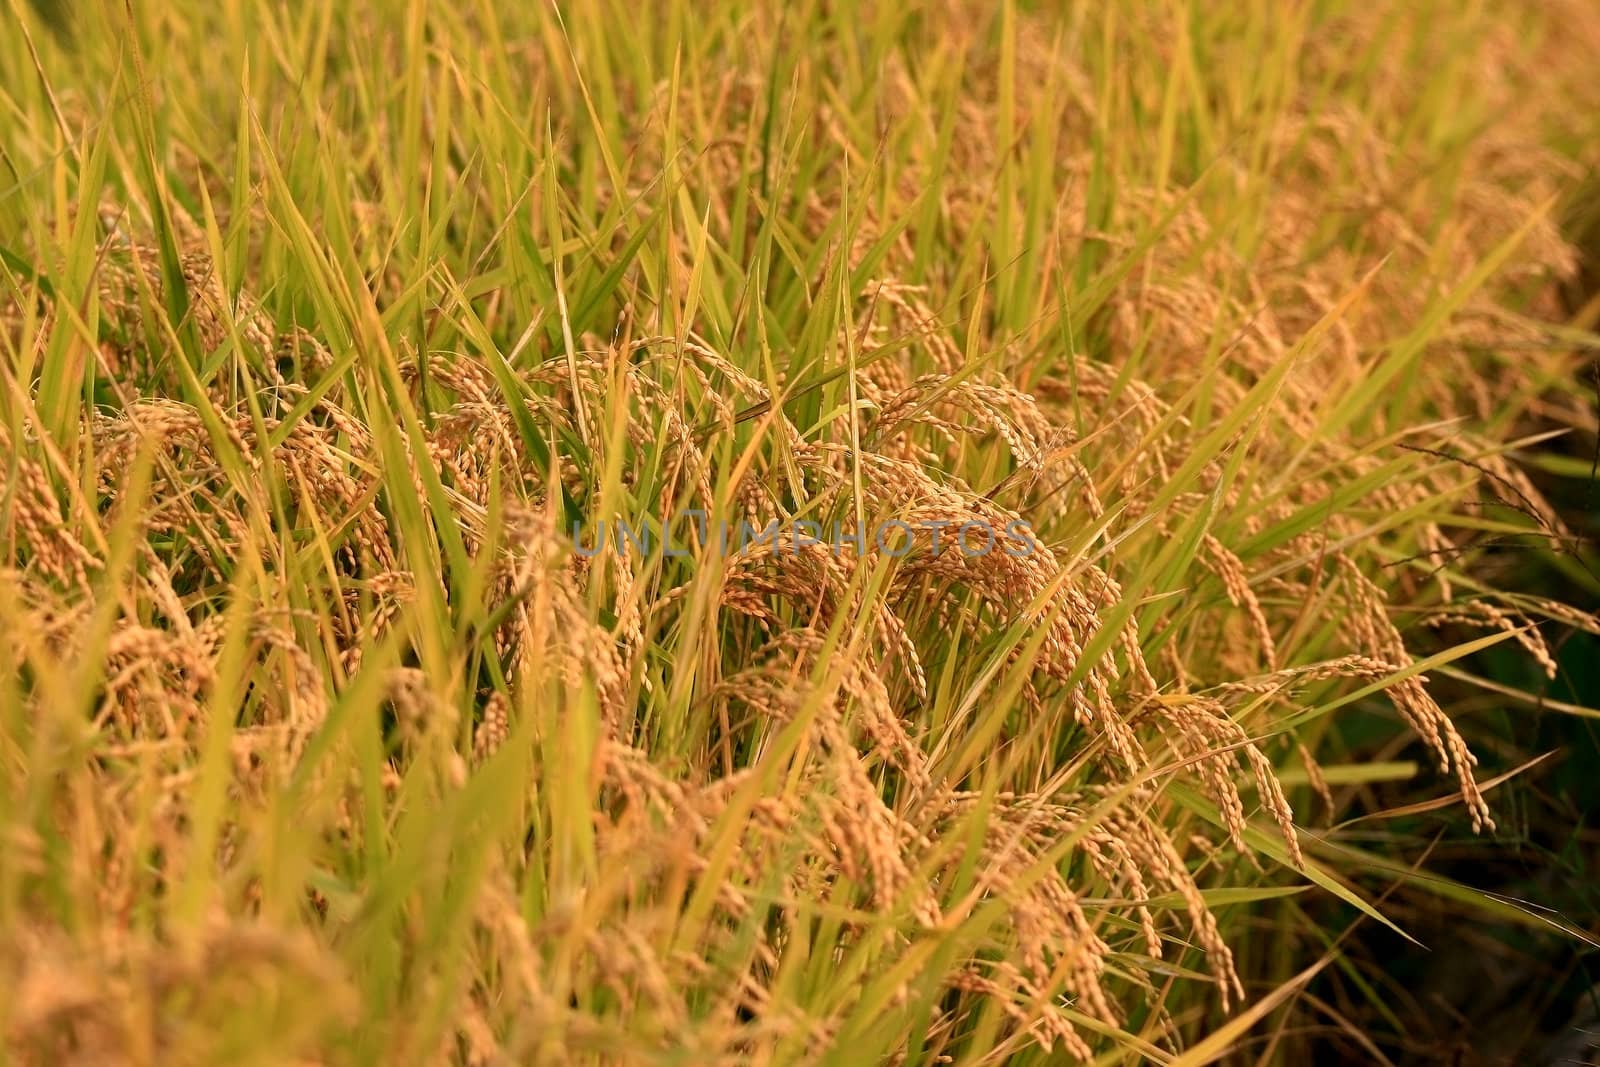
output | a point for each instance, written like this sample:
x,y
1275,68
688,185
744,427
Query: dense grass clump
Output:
x,y
340,342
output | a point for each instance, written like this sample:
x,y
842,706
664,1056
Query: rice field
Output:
x,y
833,532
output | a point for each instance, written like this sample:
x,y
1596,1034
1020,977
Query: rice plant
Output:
x,y
832,532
